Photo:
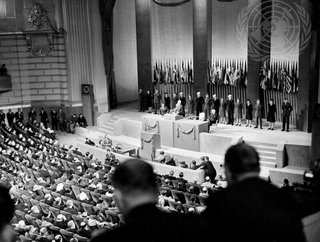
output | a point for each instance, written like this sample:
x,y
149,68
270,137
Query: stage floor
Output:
x,y
250,134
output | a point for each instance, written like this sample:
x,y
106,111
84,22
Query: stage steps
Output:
x,y
267,152
108,126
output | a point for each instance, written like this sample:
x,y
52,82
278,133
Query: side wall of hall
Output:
x,y
125,50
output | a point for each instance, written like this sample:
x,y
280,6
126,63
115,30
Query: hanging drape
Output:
x,y
106,11
170,4
172,31
225,43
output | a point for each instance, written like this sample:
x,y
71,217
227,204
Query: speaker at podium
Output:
x,y
88,103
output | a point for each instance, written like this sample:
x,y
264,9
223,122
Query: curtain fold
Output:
x,y
106,11
171,4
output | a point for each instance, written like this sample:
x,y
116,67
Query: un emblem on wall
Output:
x,y
284,28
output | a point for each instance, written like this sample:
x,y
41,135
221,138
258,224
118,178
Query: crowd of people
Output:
x,y
57,119
215,110
62,194
59,193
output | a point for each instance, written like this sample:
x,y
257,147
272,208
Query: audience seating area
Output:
x,y
65,193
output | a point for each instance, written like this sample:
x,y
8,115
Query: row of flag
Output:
x,y
225,71
172,71
278,75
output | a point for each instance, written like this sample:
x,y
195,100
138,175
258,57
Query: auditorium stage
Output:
x,y
129,110
265,141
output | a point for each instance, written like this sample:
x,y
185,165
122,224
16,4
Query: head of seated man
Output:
x,y
134,185
241,162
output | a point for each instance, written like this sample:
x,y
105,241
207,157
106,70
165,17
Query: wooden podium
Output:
x,y
159,125
149,143
186,134
172,117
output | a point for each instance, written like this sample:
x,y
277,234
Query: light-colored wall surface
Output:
x,y
125,51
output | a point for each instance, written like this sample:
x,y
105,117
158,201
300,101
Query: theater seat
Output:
x,y
66,234
24,239
80,238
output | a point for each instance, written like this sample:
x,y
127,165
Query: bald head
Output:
x,y
241,160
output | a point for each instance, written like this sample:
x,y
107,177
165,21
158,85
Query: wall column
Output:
x,y
143,25
307,92
201,53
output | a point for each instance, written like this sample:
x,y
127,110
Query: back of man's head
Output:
x,y
240,161
7,210
134,175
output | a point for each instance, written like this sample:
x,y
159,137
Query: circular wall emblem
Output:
x,y
287,28
85,89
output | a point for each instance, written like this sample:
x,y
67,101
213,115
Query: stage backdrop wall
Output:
x,y
125,50
172,31
224,19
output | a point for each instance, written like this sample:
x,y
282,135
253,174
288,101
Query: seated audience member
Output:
x,y
194,190
61,221
286,186
168,183
71,226
58,203
207,183
183,164
170,176
204,192
6,214
178,109
222,182
89,142
170,160
70,208
160,158
137,195
163,109
213,118
181,179
193,165
45,236
251,209
82,121
35,212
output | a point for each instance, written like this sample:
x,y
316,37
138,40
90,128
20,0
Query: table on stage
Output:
x,y
186,133
175,132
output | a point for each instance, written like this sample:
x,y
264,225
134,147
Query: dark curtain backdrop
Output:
x,y
172,31
224,21
106,11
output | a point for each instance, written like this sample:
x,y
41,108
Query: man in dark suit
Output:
x,y
19,116
230,109
136,193
10,117
286,111
44,117
199,103
167,101
251,209
141,101
215,104
54,119
183,104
